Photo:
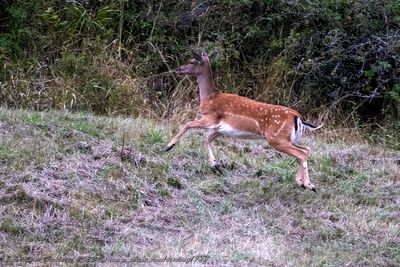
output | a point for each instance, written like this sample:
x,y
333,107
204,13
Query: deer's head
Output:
x,y
198,65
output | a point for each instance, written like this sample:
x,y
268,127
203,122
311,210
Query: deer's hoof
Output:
x,y
314,190
217,169
169,147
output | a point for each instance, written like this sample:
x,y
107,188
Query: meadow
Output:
x,y
80,188
88,102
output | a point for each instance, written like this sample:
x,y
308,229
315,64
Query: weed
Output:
x,y
32,118
85,127
108,173
10,226
6,152
3,115
154,137
164,192
158,171
174,182
211,187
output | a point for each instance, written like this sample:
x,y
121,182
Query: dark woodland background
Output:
x,y
335,60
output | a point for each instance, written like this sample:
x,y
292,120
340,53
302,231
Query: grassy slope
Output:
x,y
68,191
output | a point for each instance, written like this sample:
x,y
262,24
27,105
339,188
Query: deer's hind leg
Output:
x,y
298,152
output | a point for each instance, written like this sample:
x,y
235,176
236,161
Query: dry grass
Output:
x,y
79,188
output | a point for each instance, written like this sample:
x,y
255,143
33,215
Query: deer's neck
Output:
x,y
206,85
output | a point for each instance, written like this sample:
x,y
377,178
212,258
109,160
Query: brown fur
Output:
x,y
242,117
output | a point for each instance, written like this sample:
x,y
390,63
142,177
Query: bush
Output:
x,y
334,57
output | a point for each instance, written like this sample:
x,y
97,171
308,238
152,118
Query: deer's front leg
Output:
x,y
202,124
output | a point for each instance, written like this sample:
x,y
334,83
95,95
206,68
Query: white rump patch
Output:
x,y
295,135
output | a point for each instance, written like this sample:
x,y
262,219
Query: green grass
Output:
x,y
80,187
10,226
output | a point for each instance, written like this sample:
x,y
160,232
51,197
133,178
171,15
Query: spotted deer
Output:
x,y
241,117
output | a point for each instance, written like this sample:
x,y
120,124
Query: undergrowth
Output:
x,y
332,60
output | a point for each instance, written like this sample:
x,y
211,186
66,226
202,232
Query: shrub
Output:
x,y
336,58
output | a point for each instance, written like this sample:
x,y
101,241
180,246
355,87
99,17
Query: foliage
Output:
x,y
338,58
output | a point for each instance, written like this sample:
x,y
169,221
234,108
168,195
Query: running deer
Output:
x,y
241,117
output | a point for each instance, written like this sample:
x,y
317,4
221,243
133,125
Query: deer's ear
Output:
x,y
197,57
204,55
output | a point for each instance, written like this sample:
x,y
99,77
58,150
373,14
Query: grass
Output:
x,y
81,188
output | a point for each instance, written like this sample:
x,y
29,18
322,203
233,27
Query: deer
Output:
x,y
224,114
